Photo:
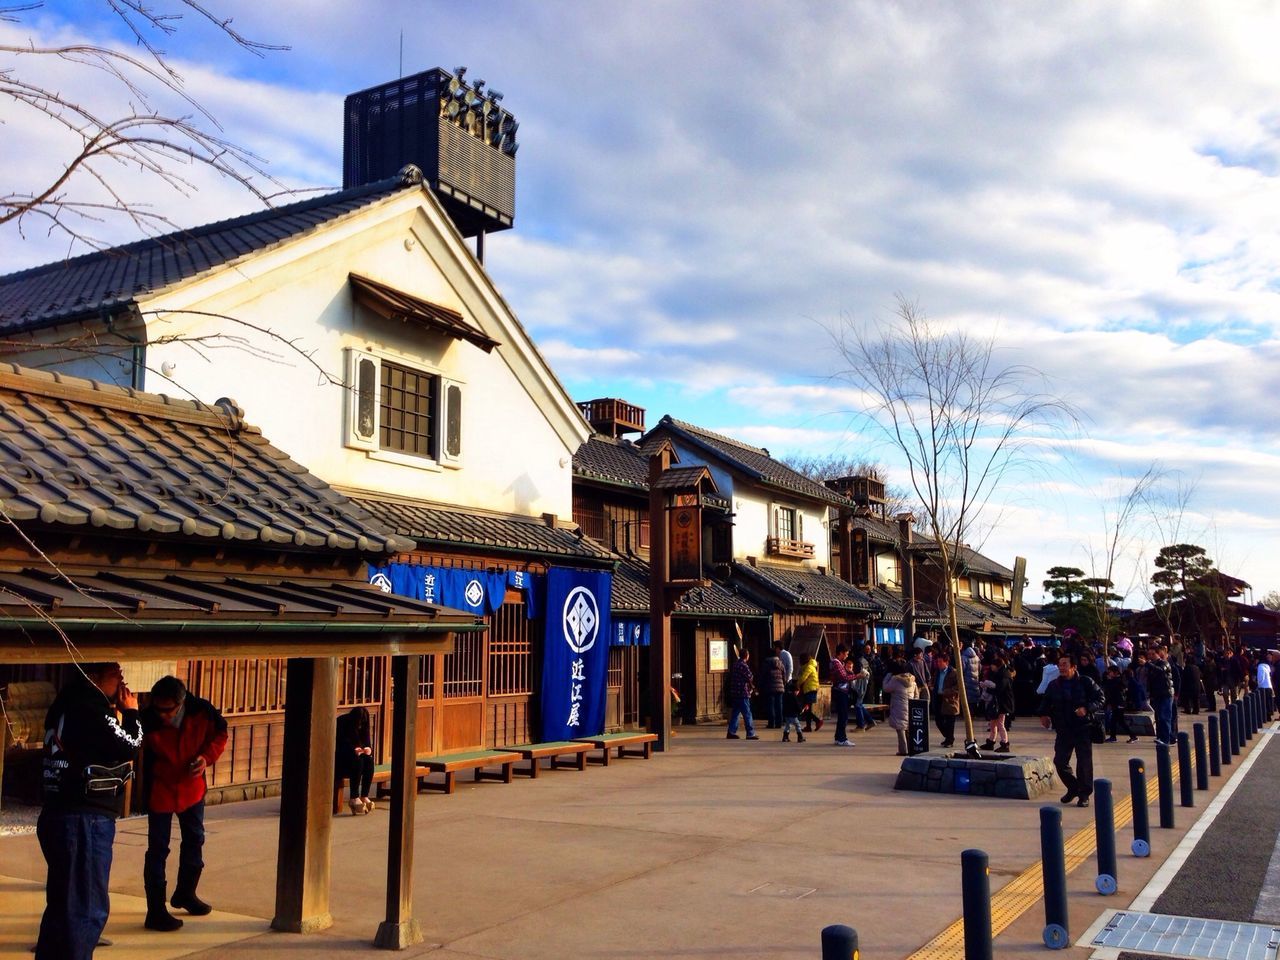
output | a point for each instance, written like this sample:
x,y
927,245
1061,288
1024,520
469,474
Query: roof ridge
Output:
x,y
694,428
54,382
187,234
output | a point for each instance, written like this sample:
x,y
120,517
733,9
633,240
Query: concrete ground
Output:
x,y
717,849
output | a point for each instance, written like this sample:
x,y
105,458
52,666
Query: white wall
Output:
x,y
513,458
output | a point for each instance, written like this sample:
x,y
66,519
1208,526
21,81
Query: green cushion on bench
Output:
x,y
632,736
495,756
550,744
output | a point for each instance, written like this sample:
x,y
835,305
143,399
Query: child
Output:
x,y
791,713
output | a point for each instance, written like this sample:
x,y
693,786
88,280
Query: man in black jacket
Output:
x,y
92,734
1160,690
1068,704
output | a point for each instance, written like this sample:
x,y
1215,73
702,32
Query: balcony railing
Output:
x,y
613,416
779,547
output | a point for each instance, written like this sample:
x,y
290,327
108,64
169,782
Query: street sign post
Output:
x,y
917,726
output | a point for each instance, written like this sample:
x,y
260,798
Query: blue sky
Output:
x,y
705,189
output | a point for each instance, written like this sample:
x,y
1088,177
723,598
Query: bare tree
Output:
x,y
142,132
833,466
960,419
1122,521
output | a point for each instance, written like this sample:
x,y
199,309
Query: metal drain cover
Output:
x,y
1189,937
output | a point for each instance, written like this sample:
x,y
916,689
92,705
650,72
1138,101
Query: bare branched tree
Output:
x,y
961,421
1123,517
833,466
143,132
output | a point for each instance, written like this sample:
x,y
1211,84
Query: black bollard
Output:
x,y
1141,845
839,942
975,881
1247,727
1104,830
1268,703
1255,712
1202,759
1053,861
1215,757
1233,717
1224,731
1184,769
1164,779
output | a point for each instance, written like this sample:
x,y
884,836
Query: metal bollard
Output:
x,y
1215,757
1141,845
1255,713
1268,702
975,881
1233,715
1247,727
1053,861
839,942
1224,731
1202,759
1164,778
1104,830
1184,770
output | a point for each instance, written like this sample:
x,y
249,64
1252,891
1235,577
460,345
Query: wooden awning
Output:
x,y
397,305
107,615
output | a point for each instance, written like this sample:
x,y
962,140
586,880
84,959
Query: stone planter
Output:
x,y
1010,776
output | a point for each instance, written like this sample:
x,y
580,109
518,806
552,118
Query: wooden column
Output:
x,y
306,796
659,616
400,929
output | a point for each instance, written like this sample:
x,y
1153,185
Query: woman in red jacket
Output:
x,y
183,736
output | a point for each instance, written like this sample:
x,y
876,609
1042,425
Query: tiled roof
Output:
x,y
395,304
971,614
803,587
755,462
502,532
879,530
78,453
85,285
631,595
612,461
970,559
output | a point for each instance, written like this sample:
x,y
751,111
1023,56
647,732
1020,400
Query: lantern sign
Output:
x,y
684,542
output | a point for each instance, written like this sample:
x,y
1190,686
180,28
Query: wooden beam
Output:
x,y
400,929
659,609
306,795
40,647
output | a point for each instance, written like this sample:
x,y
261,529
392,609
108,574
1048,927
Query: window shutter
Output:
x,y
799,534
362,400
451,421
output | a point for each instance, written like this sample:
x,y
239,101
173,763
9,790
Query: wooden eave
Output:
x,y
395,304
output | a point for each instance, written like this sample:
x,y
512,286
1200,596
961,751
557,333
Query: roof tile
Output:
x,y
804,587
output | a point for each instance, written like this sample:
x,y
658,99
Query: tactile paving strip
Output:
x,y
1189,937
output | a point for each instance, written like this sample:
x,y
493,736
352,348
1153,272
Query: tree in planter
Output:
x,y
961,421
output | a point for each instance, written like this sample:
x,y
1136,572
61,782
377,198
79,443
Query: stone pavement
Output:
x,y
718,849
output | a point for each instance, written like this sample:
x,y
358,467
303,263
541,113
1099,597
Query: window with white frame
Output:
x,y
788,528
404,410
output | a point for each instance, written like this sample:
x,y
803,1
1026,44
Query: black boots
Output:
x,y
158,918
184,894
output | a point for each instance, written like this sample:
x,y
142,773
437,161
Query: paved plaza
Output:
x,y
717,849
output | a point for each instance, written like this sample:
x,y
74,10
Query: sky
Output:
x,y
707,192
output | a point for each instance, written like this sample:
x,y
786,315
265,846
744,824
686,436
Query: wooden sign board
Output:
x,y
684,543
717,656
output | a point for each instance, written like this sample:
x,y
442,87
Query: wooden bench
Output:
x,y
879,711
625,743
381,774
574,751
449,764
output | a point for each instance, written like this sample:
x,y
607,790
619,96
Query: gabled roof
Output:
x,y
618,462
802,587
435,525
970,560
109,279
631,595
86,455
972,614
754,462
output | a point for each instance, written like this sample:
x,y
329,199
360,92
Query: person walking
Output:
x,y
775,683
788,664
1264,676
742,684
92,734
921,672
1160,692
861,680
999,687
353,758
901,687
807,684
1116,691
841,694
183,735
1191,687
791,713
971,671
1210,680
947,696
1068,704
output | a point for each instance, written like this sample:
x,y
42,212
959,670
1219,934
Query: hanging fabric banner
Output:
x,y
629,633
474,591
576,653
528,584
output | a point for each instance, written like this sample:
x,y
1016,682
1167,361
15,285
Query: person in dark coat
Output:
x,y
92,734
1160,690
184,735
775,682
1209,679
1116,689
1191,685
1068,704
742,684
354,758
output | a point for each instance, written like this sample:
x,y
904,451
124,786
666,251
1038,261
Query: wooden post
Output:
x,y
400,929
306,796
659,615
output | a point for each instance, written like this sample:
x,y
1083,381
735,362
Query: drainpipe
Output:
x,y
844,533
137,360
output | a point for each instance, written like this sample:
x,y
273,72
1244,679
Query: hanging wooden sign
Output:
x,y
684,542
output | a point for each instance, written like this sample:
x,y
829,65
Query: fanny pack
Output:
x,y
101,780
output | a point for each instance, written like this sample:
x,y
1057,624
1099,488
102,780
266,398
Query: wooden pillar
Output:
x,y
400,929
659,616
306,796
